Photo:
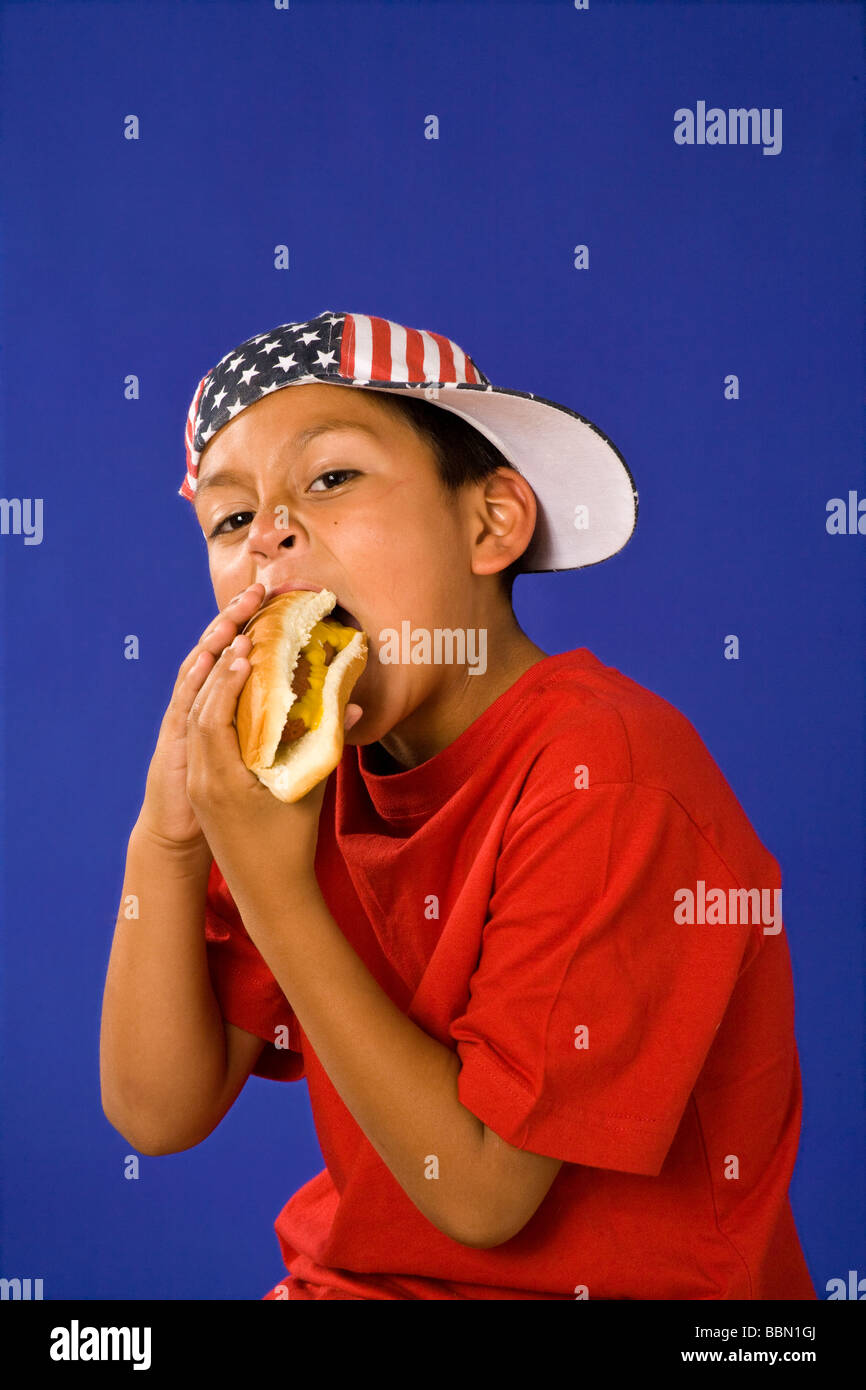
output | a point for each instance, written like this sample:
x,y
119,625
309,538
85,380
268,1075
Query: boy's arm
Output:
x,y
522,1181
399,1083
170,1067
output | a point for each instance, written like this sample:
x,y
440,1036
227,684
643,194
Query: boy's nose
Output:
x,y
274,527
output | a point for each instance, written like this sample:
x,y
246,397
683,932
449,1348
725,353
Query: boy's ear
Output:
x,y
507,511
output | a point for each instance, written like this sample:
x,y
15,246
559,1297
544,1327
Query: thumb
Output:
x,y
351,717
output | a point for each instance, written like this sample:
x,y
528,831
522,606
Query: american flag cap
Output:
x,y
586,498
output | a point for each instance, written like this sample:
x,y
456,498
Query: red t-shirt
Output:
x,y
519,896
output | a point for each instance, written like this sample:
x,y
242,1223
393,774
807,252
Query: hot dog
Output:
x,y
290,712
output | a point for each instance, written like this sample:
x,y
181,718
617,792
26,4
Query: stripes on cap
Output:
x,y
377,350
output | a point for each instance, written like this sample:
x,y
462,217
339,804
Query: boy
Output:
x,y
523,944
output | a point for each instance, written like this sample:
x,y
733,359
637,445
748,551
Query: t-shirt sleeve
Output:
x,y
245,988
593,1006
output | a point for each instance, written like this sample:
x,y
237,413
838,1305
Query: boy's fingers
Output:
x,y
220,631
237,612
213,709
188,686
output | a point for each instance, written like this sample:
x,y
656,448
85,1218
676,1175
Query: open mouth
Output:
x,y
342,616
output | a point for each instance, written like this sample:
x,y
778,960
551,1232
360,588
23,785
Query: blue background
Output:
x,y
155,257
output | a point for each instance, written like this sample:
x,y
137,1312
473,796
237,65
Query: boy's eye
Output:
x,y
331,473
218,529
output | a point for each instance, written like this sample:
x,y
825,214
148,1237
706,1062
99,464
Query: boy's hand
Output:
x,y
166,813
265,848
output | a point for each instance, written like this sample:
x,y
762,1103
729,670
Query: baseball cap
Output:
x,y
587,500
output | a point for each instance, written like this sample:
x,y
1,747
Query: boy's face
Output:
x,y
380,533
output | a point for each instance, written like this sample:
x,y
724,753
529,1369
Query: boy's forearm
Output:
x,y
399,1083
162,1041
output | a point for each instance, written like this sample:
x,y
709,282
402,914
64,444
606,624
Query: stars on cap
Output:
x,y
265,363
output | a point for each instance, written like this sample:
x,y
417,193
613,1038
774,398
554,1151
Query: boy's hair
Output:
x,y
463,455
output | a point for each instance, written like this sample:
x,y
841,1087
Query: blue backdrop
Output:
x,y
305,126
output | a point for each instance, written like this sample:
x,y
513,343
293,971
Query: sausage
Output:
x,y
296,728
301,678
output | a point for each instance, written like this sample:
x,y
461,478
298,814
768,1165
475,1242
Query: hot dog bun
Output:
x,y
280,631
